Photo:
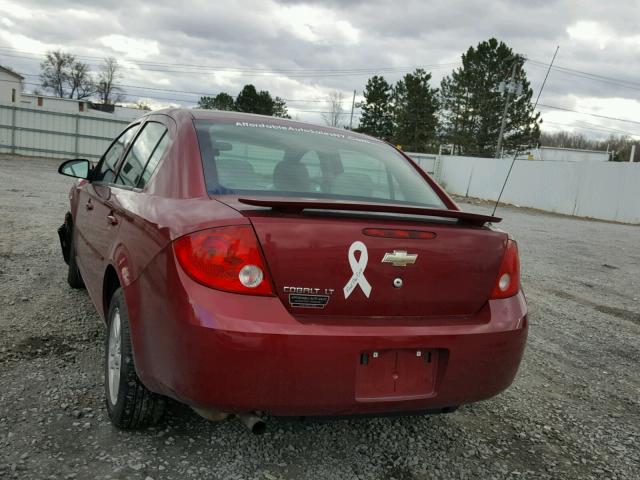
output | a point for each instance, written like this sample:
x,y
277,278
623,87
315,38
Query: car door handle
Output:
x,y
112,219
89,205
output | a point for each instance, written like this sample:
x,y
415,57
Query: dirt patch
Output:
x,y
37,346
617,312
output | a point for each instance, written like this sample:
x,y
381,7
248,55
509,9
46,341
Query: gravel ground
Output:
x,y
573,412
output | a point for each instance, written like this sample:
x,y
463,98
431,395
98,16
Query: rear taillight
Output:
x,y
225,258
508,280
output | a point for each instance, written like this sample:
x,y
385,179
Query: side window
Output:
x,y
157,154
139,154
107,168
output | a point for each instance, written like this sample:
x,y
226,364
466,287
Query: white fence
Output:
x,y
426,161
602,190
48,133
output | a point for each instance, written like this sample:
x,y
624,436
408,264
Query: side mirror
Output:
x,y
78,168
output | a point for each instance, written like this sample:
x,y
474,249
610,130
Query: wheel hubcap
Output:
x,y
114,358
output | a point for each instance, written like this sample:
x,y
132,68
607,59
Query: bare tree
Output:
x,y
65,76
54,72
334,109
80,82
142,105
106,88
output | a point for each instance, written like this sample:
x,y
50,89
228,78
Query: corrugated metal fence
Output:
x,y
427,161
47,133
603,190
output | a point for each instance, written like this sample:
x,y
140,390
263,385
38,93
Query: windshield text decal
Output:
x,y
301,130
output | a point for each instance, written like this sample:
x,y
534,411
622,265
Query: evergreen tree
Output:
x,y
206,103
280,108
222,101
415,108
472,106
264,105
456,120
251,101
377,110
247,100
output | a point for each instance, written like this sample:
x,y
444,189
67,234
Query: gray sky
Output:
x,y
303,50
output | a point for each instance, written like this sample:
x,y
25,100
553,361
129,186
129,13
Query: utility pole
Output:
x,y
510,89
353,106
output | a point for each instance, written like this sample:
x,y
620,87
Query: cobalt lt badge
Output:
x,y
400,258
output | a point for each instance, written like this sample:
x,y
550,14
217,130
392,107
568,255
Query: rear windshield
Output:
x,y
270,159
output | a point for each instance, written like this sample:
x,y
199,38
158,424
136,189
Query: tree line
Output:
x,y
618,145
249,100
63,75
464,112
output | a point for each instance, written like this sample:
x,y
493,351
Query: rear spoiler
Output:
x,y
297,206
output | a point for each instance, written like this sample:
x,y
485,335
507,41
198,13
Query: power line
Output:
x,y
312,72
245,71
582,72
202,94
357,71
590,76
592,127
564,109
173,99
185,100
186,92
608,129
39,55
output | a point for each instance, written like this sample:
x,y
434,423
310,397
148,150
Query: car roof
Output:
x,y
225,116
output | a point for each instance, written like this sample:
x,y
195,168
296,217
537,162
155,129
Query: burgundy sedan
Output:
x,y
247,265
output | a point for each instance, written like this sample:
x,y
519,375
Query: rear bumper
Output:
x,y
233,353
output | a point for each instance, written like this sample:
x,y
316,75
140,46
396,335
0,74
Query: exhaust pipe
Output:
x,y
255,424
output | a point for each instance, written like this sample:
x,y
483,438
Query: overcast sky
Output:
x,y
301,50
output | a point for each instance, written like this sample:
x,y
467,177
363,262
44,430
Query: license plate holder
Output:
x,y
392,375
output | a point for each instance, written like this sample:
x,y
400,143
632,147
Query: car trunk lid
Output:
x,y
335,258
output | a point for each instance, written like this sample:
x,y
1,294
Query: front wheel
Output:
x,y
129,403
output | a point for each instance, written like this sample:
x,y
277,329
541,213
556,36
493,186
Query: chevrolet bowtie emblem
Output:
x,y
400,258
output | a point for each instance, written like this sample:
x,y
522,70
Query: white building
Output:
x,y
10,85
557,154
53,127
70,105
11,93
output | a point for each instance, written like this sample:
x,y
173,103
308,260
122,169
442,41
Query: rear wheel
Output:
x,y
129,403
74,279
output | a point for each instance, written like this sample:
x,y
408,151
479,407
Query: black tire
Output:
x,y
135,407
74,279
